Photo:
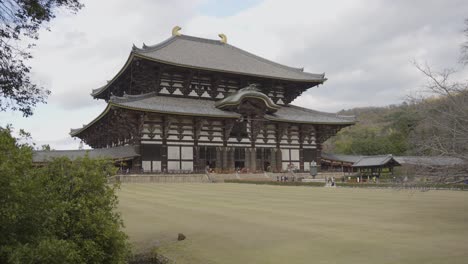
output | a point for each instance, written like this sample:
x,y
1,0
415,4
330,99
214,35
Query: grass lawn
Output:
x,y
243,223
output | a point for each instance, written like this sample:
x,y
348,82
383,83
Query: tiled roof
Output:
x,y
214,55
375,161
202,107
171,105
297,114
116,153
341,157
403,160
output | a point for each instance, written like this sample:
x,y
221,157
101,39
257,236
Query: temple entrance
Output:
x,y
239,159
263,159
207,157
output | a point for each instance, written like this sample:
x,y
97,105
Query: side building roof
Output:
x,y
341,157
115,153
214,55
376,161
403,160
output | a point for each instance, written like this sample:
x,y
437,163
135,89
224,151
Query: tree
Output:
x,y
464,47
61,213
382,130
20,22
444,129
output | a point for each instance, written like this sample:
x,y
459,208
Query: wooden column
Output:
x,y
253,159
301,147
281,129
137,162
247,157
219,159
197,127
273,160
225,158
228,157
166,124
319,139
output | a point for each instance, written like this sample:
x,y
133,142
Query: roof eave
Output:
x,y
314,80
95,93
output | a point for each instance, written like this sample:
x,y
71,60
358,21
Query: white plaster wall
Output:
x,y
187,165
146,165
294,154
173,165
187,153
173,152
156,165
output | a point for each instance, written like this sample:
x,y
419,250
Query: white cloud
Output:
x,y
366,48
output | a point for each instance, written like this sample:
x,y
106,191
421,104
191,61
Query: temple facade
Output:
x,y
189,103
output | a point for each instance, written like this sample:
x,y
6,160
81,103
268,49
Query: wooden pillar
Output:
x,y
247,157
253,159
165,133
301,148
231,159
219,158
279,135
197,126
273,161
138,133
224,158
279,160
318,158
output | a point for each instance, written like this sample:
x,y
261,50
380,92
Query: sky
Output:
x,y
367,49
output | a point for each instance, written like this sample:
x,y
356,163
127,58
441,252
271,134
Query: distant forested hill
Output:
x,y
379,130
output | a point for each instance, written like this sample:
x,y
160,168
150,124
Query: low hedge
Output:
x,y
405,185
358,185
279,183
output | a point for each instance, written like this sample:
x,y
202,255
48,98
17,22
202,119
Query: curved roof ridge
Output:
x,y
299,69
131,97
162,44
96,92
217,42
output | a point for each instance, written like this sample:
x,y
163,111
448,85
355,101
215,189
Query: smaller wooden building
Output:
x,y
372,166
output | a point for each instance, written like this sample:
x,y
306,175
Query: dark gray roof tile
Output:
x,y
375,161
214,55
116,153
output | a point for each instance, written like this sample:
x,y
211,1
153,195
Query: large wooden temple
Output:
x,y
190,103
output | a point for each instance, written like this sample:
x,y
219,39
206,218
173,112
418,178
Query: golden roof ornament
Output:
x,y
175,31
223,38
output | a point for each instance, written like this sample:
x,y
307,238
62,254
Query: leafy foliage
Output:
x,y
61,213
464,47
20,20
384,130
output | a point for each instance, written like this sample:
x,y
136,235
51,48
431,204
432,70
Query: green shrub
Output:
x,y
405,185
61,213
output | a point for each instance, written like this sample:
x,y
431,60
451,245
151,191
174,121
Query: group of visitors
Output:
x,y
285,178
330,181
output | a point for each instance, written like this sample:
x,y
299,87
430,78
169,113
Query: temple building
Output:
x,y
190,103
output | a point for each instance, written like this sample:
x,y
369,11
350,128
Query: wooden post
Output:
x,y
165,133
253,159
